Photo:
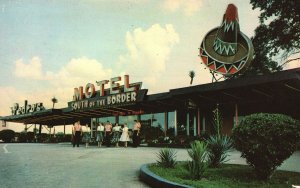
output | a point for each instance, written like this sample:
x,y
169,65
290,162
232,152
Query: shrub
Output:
x,y
166,158
266,140
7,135
22,137
198,153
218,148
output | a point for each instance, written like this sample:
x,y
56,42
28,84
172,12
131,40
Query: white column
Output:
x,y
175,122
188,124
166,123
236,116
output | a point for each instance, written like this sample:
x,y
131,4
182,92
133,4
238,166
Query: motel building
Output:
x,y
186,111
180,112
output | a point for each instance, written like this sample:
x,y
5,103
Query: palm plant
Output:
x,y
218,148
192,75
54,100
166,158
198,153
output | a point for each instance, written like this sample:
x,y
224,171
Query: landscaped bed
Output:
x,y
228,175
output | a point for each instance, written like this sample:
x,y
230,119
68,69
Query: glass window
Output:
x,y
129,120
111,119
171,124
154,120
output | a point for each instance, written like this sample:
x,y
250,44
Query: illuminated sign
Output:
x,y
115,88
27,108
105,101
116,94
225,49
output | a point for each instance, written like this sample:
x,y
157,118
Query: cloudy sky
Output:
x,y
49,47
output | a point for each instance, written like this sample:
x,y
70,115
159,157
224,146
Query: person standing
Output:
x,y
100,134
77,133
108,132
125,135
87,136
136,133
116,134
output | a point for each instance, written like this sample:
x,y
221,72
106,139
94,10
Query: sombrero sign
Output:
x,y
225,49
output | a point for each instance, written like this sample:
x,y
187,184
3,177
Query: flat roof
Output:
x,y
283,86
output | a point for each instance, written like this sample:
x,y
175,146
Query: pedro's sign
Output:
x,y
27,108
116,94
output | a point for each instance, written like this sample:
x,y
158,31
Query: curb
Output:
x,y
156,181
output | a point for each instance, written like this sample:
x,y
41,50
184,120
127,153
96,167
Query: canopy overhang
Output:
x,y
278,92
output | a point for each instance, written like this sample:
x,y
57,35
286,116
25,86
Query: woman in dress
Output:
x,y
100,134
125,136
116,134
87,136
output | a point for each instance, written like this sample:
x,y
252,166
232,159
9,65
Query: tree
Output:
x,y
7,135
277,35
54,100
266,141
192,75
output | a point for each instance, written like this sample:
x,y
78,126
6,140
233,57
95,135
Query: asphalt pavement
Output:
x,y
61,165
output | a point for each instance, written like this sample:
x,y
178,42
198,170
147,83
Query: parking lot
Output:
x,y
60,165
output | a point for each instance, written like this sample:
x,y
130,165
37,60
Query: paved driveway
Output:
x,y
60,165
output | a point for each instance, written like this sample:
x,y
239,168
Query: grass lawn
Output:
x,y
227,175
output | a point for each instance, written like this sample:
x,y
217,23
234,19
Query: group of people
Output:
x,y
108,134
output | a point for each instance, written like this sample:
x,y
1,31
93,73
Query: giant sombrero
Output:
x,y
225,49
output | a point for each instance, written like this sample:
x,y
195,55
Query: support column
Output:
x,y
35,136
199,122
236,115
117,119
40,133
188,124
64,129
166,123
203,124
195,125
175,123
92,128
26,132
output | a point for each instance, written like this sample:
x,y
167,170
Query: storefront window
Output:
x,y
111,119
171,124
154,120
129,120
152,125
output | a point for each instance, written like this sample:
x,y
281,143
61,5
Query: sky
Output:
x,y
49,47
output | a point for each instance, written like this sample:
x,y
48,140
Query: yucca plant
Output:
x,y
218,148
218,145
167,158
198,153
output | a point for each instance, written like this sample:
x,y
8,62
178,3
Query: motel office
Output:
x,y
181,111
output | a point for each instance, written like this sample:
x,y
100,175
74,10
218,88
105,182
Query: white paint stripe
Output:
x,y
5,150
